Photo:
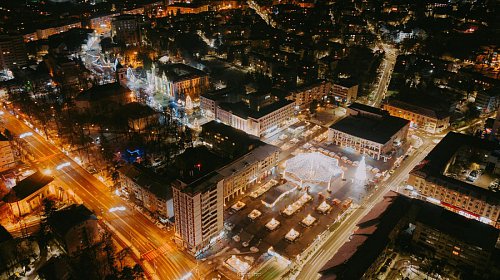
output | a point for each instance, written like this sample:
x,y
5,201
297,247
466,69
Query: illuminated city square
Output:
x,y
249,140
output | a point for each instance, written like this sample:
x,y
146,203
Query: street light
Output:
x,y
62,165
47,171
26,134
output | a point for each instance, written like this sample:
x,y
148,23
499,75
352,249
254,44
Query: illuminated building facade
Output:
x,y
439,180
198,208
345,91
179,81
256,122
7,160
102,24
125,29
13,52
425,118
147,189
304,95
369,131
45,33
186,8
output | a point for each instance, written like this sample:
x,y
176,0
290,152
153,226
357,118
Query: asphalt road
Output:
x,y
130,227
311,268
390,61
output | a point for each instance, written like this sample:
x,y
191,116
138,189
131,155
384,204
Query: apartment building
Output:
x,y
210,101
49,30
13,52
260,122
125,29
198,207
345,90
304,95
426,117
460,174
248,170
147,189
461,241
102,23
212,178
488,100
440,234
75,228
369,131
7,160
253,160
186,8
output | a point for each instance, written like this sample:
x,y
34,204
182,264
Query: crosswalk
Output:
x,y
152,254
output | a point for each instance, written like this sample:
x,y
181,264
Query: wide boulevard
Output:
x,y
154,248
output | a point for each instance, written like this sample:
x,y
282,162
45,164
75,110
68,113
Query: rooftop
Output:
x,y
149,180
423,104
28,186
251,157
365,108
196,163
241,110
309,86
347,83
126,17
469,231
73,38
136,110
179,72
378,130
354,258
200,169
357,255
224,94
65,219
240,140
202,184
437,161
100,92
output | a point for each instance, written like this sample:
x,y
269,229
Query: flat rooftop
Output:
x,y
145,178
240,138
423,104
456,156
196,163
241,110
362,108
347,83
370,239
378,130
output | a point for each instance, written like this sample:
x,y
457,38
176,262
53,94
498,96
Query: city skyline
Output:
x,y
260,139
